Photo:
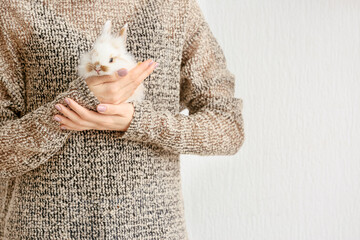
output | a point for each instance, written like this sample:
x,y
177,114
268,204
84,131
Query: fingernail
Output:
x,y
122,72
157,64
57,119
67,101
58,107
63,127
101,108
150,63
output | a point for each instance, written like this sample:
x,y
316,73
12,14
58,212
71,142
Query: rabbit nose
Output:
x,y
97,68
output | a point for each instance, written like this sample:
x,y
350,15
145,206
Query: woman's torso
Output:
x,y
98,186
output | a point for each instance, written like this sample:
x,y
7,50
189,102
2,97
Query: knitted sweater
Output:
x,y
103,184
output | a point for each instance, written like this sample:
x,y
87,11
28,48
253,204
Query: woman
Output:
x,y
116,173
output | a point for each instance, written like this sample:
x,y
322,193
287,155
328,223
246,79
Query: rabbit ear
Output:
x,y
123,32
107,28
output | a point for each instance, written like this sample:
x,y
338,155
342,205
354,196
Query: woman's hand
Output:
x,y
117,88
112,90
116,117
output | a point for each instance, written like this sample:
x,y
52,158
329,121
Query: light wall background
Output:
x,y
297,175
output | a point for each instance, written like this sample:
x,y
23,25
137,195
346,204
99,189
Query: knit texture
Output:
x,y
102,184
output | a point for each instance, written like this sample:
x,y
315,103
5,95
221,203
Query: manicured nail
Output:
x,y
58,107
63,127
122,72
57,119
157,64
101,108
150,63
67,101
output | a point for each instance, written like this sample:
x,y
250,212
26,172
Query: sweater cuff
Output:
x,y
79,91
142,124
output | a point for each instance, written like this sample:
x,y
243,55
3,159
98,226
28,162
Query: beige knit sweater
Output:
x,y
63,184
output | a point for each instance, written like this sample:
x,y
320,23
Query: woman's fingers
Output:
x,y
78,109
80,116
129,88
115,117
146,72
65,121
115,109
122,72
120,85
137,74
139,69
68,113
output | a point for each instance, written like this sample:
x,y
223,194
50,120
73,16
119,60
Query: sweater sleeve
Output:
x,y
214,125
28,139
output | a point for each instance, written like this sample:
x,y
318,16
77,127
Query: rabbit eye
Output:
x,y
111,60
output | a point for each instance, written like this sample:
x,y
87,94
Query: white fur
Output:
x,y
105,46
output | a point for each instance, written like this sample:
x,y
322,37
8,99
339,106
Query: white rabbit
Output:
x,y
108,55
